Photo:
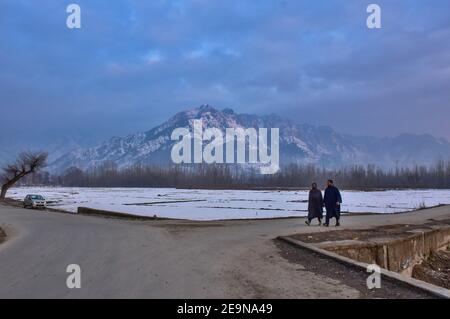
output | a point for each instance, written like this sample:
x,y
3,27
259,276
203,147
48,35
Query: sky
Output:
x,y
135,63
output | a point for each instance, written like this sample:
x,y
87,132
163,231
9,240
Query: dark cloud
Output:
x,y
135,63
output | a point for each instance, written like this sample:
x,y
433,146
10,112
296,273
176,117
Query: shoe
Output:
x,y
326,225
320,223
307,222
338,224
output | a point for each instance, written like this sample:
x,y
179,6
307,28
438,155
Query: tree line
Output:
x,y
222,176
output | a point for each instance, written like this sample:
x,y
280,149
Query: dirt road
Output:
x,y
168,259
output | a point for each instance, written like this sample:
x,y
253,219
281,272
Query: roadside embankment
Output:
x,y
394,247
413,250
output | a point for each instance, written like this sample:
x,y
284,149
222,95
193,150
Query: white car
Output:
x,y
34,201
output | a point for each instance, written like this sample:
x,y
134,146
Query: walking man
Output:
x,y
332,201
315,205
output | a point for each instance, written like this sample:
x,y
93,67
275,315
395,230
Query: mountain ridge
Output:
x,y
299,143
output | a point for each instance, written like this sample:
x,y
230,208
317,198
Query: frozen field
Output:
x,y
225,204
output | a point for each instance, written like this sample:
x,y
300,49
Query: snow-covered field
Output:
x,y
225,204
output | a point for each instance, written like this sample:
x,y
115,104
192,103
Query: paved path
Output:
x,y
164,259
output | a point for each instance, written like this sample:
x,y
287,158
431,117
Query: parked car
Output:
x,y
34,201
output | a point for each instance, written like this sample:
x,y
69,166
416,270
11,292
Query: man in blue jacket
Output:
x,y
332,201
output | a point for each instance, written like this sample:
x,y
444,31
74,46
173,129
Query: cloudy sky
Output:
x,y
134,63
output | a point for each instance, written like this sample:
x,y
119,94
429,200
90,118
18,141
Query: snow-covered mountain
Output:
x,y
303,144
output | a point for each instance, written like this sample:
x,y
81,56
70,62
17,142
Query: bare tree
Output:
x,y
27,163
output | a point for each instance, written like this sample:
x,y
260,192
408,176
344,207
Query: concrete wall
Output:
x,y
395,254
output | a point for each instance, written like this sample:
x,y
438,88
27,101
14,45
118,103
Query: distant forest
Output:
x,y
232,177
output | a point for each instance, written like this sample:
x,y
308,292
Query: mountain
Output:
x,y
302,144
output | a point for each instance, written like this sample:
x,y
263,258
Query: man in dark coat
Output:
x,y
332,201
315,205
